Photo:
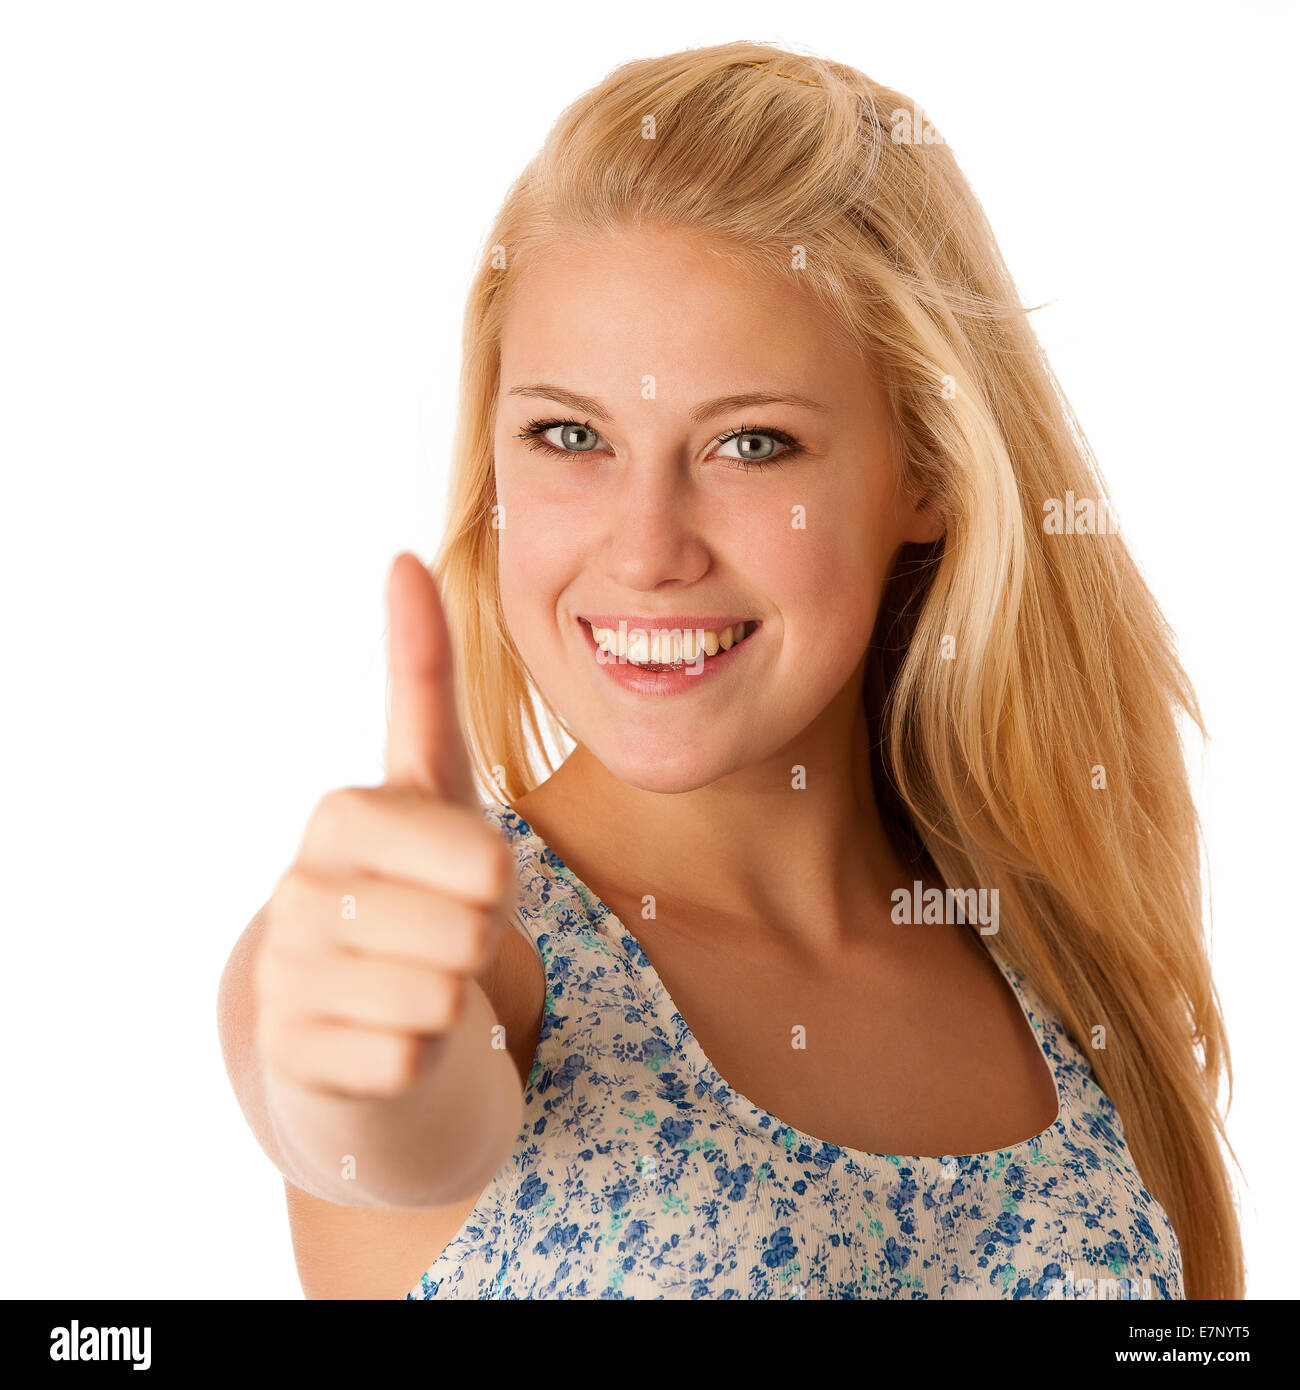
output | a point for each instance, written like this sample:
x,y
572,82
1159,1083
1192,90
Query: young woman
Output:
x,y
856,947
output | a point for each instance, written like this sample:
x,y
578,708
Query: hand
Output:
x,y
399,895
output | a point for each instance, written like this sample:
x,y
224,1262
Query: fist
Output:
x,y
399,895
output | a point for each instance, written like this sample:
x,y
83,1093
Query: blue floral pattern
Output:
x,y
639,1173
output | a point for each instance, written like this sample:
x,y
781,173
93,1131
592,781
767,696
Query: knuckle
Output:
x,y
452,1003
494,865
435,1001
401,997
335,816
395,1065
479,936
294,906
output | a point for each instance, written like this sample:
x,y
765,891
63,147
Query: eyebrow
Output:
x,y
704,411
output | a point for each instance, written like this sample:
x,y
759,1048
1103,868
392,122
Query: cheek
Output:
x,y
820,561
540,549
534,550
529,589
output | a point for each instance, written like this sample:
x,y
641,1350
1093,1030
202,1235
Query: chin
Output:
x,y
662,773
654,780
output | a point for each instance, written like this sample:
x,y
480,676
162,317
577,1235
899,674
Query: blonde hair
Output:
x,y
1044,761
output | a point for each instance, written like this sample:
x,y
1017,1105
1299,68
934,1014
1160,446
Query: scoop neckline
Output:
x,y
755,1117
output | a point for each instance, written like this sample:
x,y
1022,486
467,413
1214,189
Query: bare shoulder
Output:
x,y
380,1252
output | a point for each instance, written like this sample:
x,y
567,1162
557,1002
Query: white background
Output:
x,y
234,244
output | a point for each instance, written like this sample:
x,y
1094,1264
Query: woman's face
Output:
x,y
644,510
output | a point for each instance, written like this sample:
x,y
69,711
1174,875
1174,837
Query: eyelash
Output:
x,y
534,429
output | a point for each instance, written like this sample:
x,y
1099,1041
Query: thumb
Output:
x,y
426,747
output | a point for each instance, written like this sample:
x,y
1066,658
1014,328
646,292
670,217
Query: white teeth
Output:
x,y
667,646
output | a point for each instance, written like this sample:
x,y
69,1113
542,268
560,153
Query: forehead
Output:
x,y
671,304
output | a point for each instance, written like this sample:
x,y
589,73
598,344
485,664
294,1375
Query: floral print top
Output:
x,y
639,1173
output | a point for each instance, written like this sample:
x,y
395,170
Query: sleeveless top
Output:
x,y
639,1173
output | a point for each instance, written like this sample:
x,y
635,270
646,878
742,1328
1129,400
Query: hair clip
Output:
x,y
767,62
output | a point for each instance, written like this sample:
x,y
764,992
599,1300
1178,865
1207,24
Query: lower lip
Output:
x,y
648,682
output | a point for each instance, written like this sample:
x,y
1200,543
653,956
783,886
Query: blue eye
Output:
x,y
574,438
580,438
789,447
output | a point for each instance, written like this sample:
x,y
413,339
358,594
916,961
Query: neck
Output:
x,y
808,856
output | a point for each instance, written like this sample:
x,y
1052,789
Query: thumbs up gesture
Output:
x,y
399,894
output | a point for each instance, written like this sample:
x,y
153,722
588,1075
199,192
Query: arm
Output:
x,y
432,1145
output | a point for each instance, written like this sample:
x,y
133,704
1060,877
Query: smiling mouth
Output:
x,y
667,649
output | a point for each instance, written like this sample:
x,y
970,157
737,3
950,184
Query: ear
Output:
x,y
923,524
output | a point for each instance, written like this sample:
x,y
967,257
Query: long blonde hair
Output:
x,y
1044,758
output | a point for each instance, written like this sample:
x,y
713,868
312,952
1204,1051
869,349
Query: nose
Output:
x,y
656,525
